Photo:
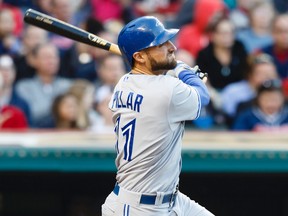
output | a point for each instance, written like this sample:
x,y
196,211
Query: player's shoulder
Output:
x,y
169,80
151,79
174,83
165,83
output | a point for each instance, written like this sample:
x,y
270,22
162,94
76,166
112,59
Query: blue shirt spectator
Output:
x,y
41,90
269,111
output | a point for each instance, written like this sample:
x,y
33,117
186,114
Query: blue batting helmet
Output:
x,y
141,33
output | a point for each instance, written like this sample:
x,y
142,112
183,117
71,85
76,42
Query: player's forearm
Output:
x,y
193,80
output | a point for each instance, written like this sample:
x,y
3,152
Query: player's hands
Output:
x,y
203,76
181,66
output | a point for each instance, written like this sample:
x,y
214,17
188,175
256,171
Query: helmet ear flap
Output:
x,y
141,33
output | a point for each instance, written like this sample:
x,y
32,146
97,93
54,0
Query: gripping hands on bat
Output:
x,y
181,66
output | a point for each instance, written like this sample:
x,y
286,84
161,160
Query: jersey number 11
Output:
x,y
128,132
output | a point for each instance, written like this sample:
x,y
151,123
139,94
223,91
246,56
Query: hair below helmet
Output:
x,y
141,33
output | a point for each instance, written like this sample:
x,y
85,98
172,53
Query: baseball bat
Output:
x,y
62,28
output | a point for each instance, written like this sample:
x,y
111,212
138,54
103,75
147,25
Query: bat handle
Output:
x,y
115,49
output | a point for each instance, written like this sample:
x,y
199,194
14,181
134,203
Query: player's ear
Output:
x,y
139,57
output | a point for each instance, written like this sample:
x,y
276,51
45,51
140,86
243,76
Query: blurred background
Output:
x,y
56,131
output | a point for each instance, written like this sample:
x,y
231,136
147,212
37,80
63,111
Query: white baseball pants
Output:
x,y
127,204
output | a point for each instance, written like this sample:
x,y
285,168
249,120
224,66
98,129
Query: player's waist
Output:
x,y
134,198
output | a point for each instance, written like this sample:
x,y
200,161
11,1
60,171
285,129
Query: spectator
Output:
x,y
98,54
279,49
101,102
81,10
9,43
77,62
11,117
281,6
185,56
8,95
164,10
43,6
111,69
84,90
41,90
230,4
185,14
81,60
63,10
65,110
20,3
258,34
1,81
261,68
107,10
240,15
269,113
224,59
193,37
17,17
31,37
66,10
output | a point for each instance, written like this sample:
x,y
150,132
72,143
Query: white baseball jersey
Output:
x,y
149,114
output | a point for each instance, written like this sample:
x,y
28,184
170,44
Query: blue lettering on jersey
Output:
x,y
120,97
131,101
138,101
115,99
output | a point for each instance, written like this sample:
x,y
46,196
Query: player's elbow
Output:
x,y
203,95
205,99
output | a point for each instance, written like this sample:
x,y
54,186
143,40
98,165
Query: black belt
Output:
x,y
150,199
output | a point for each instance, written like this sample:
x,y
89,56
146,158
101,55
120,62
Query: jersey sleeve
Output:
x,y
185,103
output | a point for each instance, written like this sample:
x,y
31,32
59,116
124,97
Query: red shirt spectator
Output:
x,y
18,17
104,10
192,37
11,118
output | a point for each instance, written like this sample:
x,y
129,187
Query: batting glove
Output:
x,y
181,66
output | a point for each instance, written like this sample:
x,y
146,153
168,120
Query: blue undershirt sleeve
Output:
x,y
190,78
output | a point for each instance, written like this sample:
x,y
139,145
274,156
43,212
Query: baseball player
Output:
x,y
149,109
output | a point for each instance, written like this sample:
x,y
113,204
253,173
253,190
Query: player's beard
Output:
x,y
165,65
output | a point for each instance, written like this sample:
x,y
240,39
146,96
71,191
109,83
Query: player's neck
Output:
x,y
141,71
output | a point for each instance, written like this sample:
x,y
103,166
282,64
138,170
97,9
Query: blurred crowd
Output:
x,y
51,82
